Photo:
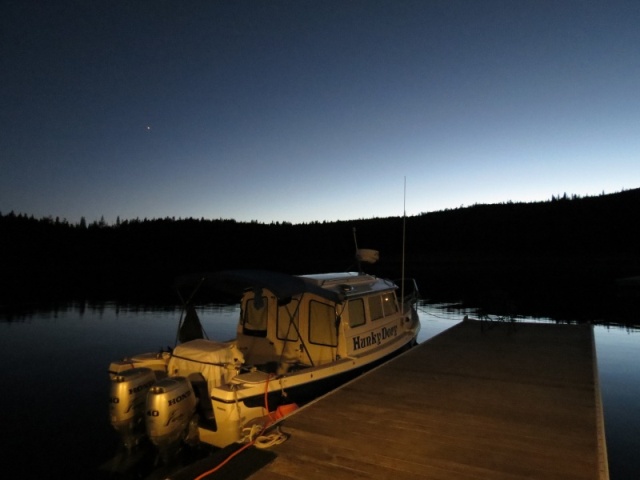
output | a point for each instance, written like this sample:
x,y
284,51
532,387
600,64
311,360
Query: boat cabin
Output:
x,y
336,316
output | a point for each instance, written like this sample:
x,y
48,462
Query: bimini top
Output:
x,y
237,282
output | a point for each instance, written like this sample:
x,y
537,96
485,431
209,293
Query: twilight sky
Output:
x,y
306,110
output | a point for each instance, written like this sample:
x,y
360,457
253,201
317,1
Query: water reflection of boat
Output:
x,y
297,337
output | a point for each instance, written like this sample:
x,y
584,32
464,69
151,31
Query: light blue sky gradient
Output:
x,y
313,110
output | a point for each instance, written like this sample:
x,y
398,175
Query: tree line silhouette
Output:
x,y
560,257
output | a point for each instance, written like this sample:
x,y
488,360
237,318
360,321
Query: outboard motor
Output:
x,y
171,407
128,394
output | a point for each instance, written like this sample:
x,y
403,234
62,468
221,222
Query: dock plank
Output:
x,y
501,403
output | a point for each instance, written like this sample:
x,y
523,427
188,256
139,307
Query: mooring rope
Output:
x,y
254,435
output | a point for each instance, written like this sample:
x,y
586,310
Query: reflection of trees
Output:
x,y
544,252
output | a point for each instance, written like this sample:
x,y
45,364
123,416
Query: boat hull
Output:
x,y
239,405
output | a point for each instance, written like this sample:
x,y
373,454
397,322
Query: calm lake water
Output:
x,y
54,404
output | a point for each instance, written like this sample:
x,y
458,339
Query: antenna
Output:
x,y
355,240
404,229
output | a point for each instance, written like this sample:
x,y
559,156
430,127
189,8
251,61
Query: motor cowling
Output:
x,y
170,412
128,394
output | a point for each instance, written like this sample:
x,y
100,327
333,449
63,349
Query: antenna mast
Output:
x,y
404,222
355,240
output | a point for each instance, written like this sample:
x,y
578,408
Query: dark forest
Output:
x,y
563,258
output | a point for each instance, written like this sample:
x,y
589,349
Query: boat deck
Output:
x,y
499,401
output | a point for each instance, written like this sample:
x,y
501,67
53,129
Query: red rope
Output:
x,y
244,447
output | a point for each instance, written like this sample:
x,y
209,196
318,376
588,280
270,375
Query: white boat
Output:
x,y
297,338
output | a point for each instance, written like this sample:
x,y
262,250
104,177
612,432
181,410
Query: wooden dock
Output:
x,y
478,401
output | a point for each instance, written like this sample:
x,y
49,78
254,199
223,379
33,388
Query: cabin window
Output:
x,y
288,321
389,305
254,321
322,324
356,312
375,307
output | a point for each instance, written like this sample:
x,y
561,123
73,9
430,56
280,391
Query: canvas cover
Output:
x,y
283,286
216,361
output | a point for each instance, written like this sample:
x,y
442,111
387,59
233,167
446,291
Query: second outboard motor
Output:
x,y
171,406
128,394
